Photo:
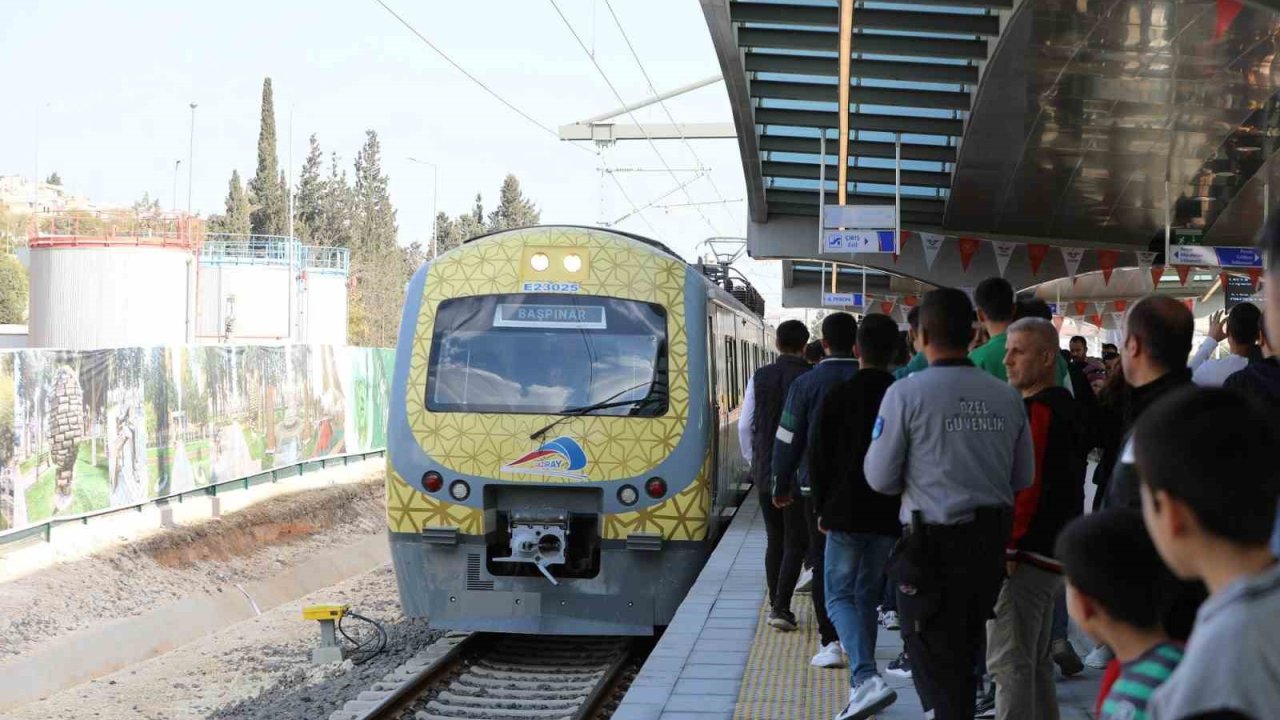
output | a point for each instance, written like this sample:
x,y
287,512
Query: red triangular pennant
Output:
x,y
1255,274
911,300
1107,261
1080,305
1222,278
1183,272
1121,305
1227,12
886,307
968,248
1035,255
1157,272
1057,322
1096,319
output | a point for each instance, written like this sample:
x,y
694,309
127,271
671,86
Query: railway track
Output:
x,y
502,677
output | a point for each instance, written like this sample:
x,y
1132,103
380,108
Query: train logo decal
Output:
x,y
562,457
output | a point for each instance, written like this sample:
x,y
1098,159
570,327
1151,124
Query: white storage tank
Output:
x,y
112,282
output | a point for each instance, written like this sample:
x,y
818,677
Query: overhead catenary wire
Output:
x,y
621,101
529,118
661,103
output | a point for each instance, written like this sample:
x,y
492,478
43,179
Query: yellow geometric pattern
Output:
x,y
616,447
409,511
683,517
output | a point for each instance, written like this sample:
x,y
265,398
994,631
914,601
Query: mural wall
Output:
x,y
82,431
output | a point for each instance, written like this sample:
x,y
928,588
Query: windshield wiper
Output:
x,y
585,409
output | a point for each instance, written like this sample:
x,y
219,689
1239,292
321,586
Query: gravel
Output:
x,y
257,669
253,543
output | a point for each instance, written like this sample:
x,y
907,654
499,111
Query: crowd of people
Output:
x,y
941,492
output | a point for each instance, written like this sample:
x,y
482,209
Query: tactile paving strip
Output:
x,y
780,684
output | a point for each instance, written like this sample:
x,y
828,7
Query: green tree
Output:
x,y
147,205
13,291
514,209
236,219
377,262
309,197
270,213
54,179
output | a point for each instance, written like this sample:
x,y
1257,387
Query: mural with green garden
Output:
x,y
91,430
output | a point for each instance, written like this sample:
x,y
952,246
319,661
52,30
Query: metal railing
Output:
x,y
78,228
239,249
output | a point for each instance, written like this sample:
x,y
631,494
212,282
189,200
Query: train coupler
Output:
x,y
539,538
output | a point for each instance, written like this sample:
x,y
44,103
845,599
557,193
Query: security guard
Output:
x,y
955,442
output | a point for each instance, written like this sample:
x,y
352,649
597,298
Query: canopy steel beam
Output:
x,y
867,19
876,69
866,95
809,171
861,121
723,38
900,45
859,148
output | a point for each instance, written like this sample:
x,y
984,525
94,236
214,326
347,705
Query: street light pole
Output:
x,y
435,195
191,152
176,163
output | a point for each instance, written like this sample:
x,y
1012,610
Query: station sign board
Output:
x,y
860,217
859,241
1240,289
1203,256
842,300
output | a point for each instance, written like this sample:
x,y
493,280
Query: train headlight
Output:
x,y
573,262
459,490
627,495
539,262
432,481
656,487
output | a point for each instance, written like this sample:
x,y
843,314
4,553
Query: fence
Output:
x,y
83,433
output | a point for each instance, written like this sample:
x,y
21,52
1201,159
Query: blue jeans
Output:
x,y
854,576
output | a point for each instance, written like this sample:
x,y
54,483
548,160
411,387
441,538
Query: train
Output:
x,y
562,452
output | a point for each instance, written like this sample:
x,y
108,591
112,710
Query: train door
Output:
x,y
714,390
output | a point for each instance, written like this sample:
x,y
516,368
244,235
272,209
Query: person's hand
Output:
x,y
1218,326
781,501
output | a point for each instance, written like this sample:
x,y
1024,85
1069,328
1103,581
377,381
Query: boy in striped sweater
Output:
x,y
1118,592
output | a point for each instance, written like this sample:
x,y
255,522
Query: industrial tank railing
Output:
x,y
239,249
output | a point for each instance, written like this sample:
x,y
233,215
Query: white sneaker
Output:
x,y
829,656
805,583
889,619
1099,657
867,699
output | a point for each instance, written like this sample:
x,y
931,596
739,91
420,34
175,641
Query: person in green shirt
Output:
x,y
918,361
995,300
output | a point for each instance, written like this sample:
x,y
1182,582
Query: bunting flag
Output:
x,y
1222,278
968,248
1072,258
1036,253
1096,319
1157,272
1255,274
911,300
886,307
1121,305
932,244
1100,307
1004,251
1227,12
1107,261
1080,306
1144,262
1118,319
1183,272
1057,322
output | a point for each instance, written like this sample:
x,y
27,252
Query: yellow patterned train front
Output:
x,y
562,443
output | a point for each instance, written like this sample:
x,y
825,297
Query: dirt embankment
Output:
x,y
209,557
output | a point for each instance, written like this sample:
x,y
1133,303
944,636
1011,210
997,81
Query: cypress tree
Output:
x,y
514,209
307,206
270,213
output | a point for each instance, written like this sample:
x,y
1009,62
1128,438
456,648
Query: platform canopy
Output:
x,y
1080,125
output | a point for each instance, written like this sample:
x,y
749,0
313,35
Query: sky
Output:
x,y
100,92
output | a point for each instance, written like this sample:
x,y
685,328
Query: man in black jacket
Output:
x,y
786,529
1019,638
1154,354
861,524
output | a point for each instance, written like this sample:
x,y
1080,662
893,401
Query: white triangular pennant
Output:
x,y
1101,307
932,244
1118,319
1072,258
1145,259
1004,251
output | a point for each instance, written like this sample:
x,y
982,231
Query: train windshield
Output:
x,y
548,354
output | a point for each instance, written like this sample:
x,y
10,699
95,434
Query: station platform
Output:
x,y
718,660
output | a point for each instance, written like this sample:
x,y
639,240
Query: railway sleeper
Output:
x,y
563,659
532,669
469,686
472,713
572,703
